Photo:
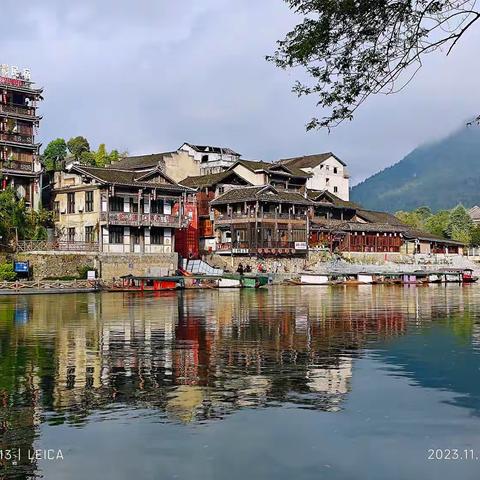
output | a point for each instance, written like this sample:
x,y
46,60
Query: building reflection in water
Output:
x,y
198,355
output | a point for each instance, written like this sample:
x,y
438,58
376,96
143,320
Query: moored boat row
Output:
x,y
402,278
131,283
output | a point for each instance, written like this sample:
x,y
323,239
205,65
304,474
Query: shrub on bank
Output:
x,y
7,273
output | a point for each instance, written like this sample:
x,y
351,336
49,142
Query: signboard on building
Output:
x,y
300,245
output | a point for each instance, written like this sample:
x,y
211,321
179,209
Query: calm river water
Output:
x,y
288,383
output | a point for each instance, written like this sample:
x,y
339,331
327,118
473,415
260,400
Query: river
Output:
x,y
286,383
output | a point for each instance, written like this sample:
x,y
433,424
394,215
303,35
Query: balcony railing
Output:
x,y
260,216
14,165
64,246
265,247
17,110
16,138
140,219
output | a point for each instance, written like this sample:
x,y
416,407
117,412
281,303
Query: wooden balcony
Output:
x,y
262,248
17,110
16,166
16,138
240,217
141,219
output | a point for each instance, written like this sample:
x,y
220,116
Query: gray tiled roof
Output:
x,y
309,161
264,193
126,177
140,162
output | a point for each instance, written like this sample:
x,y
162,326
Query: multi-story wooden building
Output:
x,y
20,167
118,211
261,220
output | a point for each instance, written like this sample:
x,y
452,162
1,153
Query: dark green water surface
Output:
x,y
287,383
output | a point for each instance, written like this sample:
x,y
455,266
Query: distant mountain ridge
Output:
x,y
439,175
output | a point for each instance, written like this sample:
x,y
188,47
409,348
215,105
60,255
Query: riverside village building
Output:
x,y
196,200
20,167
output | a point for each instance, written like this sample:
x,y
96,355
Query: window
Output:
x,y
156,236
115,235
89,234
335,189
156,206
71,202
335,170
327,181
299,235
71,234
204,158
89,201
116,204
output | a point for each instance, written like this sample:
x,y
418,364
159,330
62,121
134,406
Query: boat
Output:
x,y
468,277
311,279
132,283
254,281
226,282
367,278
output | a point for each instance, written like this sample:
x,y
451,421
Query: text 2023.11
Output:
x,y
452,454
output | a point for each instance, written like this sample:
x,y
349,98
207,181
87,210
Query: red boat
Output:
x,y
468,277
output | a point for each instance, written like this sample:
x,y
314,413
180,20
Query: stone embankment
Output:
x,y
108,266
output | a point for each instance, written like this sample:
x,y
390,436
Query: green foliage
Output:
x,y
54,155
454,224
16,219
83,271
437,224
475,236
353,49
6,272
440,175
77,146
460,225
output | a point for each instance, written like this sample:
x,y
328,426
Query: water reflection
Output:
x,y
199,356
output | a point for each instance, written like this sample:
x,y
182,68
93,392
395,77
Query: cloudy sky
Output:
x,y
146,76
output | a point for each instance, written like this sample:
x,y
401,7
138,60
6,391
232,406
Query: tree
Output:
x,y
460,225
77,146
17,220
54,154
415,218
437,224
354,49
101,156
475,236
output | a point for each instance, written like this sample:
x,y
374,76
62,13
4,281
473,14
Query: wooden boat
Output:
x,y
226,282
254,281
367,278
311,279
468,277
132,283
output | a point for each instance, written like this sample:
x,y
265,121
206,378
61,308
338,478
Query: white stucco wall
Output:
x,y
330,175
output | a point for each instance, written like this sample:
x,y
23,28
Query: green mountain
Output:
x,y
439,175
